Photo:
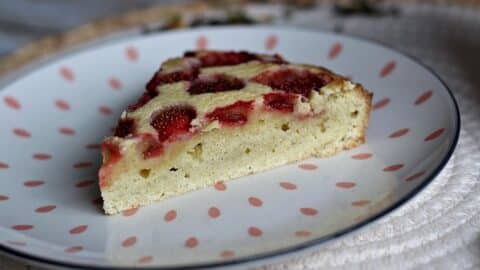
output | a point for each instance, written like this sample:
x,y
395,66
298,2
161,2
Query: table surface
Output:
x,y
440,228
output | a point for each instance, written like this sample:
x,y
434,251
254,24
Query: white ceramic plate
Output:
x,y
52,120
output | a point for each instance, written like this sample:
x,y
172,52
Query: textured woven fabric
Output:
x,y
439,228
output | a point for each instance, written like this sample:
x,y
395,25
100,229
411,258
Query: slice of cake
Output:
x,y
214,115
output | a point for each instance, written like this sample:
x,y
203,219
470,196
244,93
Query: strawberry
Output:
x,y
215,83
113,150
173,121
292,81
160,78
283,102
112,155
212,59
154,149
235,114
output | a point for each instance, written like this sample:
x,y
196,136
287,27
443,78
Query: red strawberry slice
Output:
x,y
213,59
154,149
159,78
215,83
293,81
189,73
125,127
172,122
112,155
113,151
235,114
150,146
282,102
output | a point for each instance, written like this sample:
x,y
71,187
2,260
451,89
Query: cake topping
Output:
x,y
150,146
160,78
188,72
217,58
274,59
172,122
235,114
111,156
283,102
214,59
292,80
189,69
146,97
215,83
113,151
125,127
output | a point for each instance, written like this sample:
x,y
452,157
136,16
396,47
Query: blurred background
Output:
x,y
22,21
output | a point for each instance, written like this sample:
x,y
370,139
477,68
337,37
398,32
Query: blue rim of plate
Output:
x,y
284,251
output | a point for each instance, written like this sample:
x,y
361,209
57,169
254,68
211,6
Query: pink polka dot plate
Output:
x,y
54,116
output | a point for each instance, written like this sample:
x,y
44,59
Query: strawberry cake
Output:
x,y
219,115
